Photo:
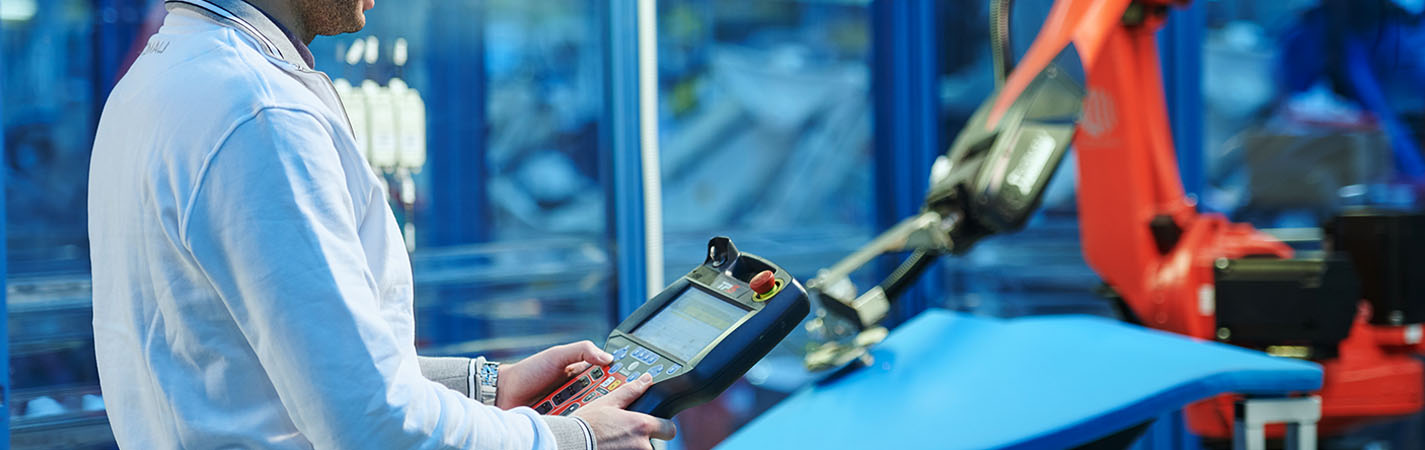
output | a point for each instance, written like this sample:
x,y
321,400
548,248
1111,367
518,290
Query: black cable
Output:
x,y
906,275
1001,49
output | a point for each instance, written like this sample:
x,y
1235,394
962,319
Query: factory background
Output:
x,y
508,133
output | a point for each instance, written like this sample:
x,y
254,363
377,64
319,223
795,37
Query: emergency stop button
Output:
x,y
763,284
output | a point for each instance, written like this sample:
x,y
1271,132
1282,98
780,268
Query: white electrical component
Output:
x,y
411,121
410,112
384,154
408,201
400,52
356,112
355,52
373,49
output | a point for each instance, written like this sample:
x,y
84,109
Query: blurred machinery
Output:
x,y
54,88
1312,107
778,88
1364,50
55,400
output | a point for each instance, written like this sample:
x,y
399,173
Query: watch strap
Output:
x,y
484,380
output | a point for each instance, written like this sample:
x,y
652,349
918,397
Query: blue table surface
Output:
x,y
951,380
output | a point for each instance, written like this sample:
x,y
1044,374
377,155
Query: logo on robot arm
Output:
x,y
1100,117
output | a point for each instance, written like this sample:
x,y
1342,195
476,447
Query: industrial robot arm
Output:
x,y
1175,268
988,182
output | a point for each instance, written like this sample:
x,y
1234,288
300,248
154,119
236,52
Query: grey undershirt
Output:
x,y
570,433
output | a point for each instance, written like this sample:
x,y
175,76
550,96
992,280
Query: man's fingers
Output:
x,y
583,351
575,369
630,391
592,354
663,429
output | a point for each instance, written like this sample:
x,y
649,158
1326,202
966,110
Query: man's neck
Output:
x,y
285,13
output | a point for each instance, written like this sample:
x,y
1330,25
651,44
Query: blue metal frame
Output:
x,y
904,79
1180,43
459,211
619,146
4,313
1180,47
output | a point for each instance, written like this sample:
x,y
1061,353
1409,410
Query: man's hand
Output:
x,y
617,429
527,381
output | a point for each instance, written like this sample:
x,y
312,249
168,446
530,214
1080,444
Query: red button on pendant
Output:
x,y
764,282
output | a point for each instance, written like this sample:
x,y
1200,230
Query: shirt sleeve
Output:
x,y
455,373
458,374
272,225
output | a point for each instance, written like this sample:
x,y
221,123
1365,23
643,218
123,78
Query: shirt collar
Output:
x,y
302,49
276,39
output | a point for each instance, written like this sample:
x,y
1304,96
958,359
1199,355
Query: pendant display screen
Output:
x,y
690,323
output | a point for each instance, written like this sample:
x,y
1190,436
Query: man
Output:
x,y
251,289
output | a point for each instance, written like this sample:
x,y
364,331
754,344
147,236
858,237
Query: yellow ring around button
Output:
x,y
776,287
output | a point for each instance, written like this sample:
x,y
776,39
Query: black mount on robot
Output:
x,y
988,182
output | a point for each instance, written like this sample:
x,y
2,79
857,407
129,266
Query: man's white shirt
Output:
x,y
251,287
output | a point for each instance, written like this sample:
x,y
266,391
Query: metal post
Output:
x,y
1247,437
904,81
1300,414
648,138
619,143
1301,436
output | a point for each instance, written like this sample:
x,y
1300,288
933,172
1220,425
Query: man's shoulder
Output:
x,y
215,73
195,84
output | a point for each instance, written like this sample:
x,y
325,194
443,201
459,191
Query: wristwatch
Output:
x,y
486,379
